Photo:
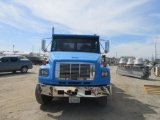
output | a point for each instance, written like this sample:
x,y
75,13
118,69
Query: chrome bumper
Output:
x,y
65,91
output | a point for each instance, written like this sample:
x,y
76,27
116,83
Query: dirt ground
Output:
x,y
128,102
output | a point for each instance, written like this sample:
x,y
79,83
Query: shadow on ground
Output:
x,y
120,106
9,74
152,79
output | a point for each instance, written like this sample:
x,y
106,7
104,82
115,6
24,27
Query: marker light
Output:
x,y
104,64
44,62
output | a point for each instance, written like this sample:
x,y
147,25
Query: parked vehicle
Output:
x,y
35,59
74,70
14,63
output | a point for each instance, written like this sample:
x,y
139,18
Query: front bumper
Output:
x,y
67,91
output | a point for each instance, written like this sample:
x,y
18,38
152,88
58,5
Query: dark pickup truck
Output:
x,y
35,59
14,63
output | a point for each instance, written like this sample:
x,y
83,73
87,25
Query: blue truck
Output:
x,y
75,69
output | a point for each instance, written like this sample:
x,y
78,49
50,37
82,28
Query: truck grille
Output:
x,y
74,71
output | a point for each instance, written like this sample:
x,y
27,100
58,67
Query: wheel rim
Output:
x,y
24,70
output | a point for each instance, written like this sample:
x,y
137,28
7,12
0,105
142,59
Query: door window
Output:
x,y
4,60
14,59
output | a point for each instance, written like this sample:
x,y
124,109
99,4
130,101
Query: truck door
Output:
x,y
14,63
4,64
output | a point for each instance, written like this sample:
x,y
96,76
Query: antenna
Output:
x,y
52,30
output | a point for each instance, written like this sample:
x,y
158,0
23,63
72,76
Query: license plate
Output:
x,y
74,100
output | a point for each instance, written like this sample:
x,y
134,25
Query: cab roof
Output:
x,y
75,36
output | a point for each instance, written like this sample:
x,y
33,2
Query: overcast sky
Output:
x,y
132,26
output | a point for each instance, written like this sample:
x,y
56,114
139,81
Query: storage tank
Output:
x,y
123,61
130,61
138,62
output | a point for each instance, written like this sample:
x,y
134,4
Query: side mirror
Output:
x,y
106,47
44,45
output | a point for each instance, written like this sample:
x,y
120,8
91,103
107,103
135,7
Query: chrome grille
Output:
x,y
74,71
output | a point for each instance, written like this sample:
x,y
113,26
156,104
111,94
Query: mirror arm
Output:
x,y
48,46
101,45
44,48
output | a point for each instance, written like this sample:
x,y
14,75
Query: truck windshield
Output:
x,y
75,45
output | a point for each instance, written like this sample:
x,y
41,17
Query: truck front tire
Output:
x,y
42,99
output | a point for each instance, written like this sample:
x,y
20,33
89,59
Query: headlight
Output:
x,y
44,72
104,73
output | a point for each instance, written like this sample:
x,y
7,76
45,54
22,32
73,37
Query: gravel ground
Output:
x,y
128,102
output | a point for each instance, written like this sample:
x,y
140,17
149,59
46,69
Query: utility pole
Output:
x,y
155,52
39,51
32,48
116,55
13,48
152,58
116,58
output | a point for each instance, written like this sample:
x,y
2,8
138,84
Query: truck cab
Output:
x,y
74,70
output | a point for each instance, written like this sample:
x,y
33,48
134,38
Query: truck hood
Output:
x,y
75,56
